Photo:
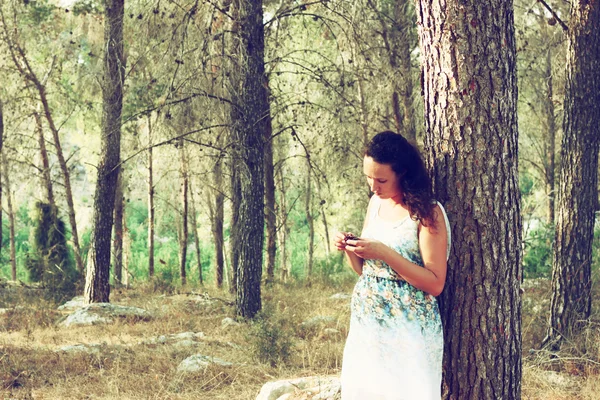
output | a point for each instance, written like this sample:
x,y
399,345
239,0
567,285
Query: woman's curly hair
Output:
x,y
393,149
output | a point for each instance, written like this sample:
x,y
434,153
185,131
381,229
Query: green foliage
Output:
x,y
537,255
270,337
49,261
39,11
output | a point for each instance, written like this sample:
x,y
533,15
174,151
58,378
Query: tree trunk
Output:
x,y
310,223
46,177
250,122
11,218
396,32
578,182
270,215
118,236
217,216
183,238
1,152
150,202
469,85
195,229
284,230
97,288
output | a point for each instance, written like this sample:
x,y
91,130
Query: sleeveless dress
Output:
x,y
395,342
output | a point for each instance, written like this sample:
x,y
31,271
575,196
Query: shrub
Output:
x,y
270,337
48,261
537,254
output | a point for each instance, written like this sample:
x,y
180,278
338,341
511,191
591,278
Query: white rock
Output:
x,y
81,348
175,338
103,313
198,362
323,388
74,303
318,321
341,296
227,322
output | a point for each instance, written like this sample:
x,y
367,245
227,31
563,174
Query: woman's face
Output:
x,y
381,178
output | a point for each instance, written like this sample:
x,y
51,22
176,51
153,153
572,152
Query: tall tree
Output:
x,y
26,70
249,123
184,233
577,190
11,217
46,176
151,210
470,93
97,287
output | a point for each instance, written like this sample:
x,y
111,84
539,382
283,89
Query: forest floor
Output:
x,y
301,333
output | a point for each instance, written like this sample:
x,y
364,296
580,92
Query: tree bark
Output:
x,y
46,177
11,218
578,182
284,229
250,122
150,202
97,288
118,235
470,93
184,236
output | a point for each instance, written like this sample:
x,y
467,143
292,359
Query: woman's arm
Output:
x,y
355,261
433,245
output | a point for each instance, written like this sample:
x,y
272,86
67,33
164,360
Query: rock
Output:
x,y
73,304
330,332
341,296
103,313
80,348
227,322
318,321
180,339
198,362
313,387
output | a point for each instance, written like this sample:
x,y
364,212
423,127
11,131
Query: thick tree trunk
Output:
x,y
97,288
150,202
310,222
270,215
250,122
184,234
46,177
578,182
470,90
11,219
118,235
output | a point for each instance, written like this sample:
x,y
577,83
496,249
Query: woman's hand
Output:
x,y
366,248
339,240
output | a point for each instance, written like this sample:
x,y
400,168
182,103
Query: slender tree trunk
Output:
x,y
577,190
324,218
469,77
284,230
270,215
11,219
46,177
150,202
183,239
97,288
118,236
550,127
1,152
22,64
310,223
195,229
217,216
126,254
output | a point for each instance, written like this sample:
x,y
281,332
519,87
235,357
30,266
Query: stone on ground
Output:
x,y
103,313
199,362
313,387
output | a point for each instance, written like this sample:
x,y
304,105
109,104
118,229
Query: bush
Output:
x,y
270,338
49,261
537,254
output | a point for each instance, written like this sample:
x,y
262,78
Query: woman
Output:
x,y
395,344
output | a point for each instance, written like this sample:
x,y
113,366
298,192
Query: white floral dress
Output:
x,y
395,343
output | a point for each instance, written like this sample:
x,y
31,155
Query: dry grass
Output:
x,y
126,366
